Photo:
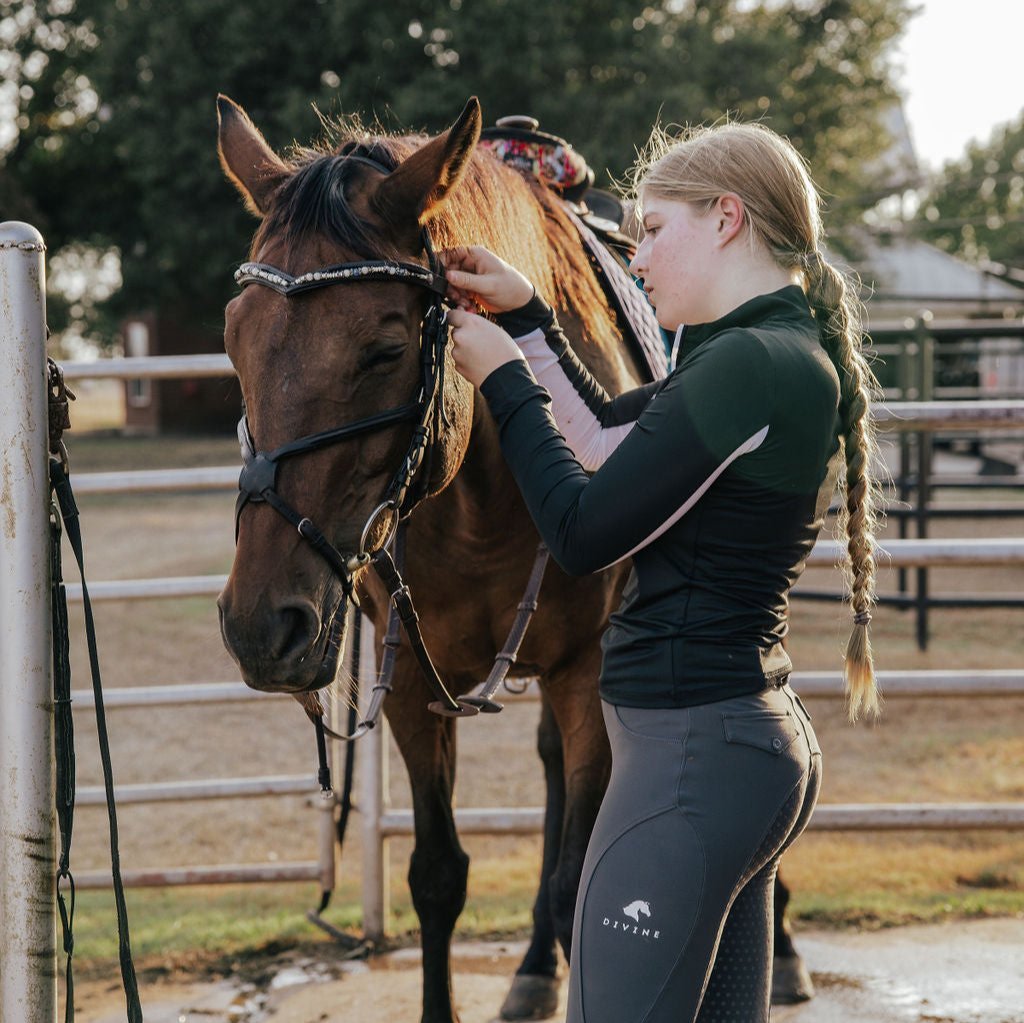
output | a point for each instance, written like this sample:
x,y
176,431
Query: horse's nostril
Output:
x,y
297,628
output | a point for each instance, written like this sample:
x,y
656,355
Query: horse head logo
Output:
x,y
636,908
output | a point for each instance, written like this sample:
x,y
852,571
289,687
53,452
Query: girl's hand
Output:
x,y
479,346
477,277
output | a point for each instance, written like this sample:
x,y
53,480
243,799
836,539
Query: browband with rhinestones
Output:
x,y
372,270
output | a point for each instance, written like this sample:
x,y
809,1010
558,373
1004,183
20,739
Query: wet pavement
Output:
x,y
966,972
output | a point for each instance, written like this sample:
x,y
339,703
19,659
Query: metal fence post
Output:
x,y
28,957
925,446
908,350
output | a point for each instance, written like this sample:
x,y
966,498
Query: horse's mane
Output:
x,y
495,206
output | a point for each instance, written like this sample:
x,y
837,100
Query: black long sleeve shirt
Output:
x,y
716,486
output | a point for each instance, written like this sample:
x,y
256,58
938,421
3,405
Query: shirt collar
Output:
x,y
787,302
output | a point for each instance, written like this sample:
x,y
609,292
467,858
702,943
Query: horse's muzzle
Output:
x,y
288,649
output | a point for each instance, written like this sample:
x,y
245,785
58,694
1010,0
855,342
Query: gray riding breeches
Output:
x,y
674,918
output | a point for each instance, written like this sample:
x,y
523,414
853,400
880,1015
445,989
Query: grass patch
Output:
x,y
868,910
172,928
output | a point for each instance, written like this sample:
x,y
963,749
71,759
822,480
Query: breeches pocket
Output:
x,y
772,731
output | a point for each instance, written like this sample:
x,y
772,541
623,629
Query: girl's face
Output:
x,y
676,260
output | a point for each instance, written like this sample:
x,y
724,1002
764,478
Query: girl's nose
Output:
x,y
638,264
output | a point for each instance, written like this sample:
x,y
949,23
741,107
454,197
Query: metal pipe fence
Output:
x,y
378,821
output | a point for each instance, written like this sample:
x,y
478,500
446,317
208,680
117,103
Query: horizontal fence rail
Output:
x,y
239,873
891,554
826,817
949,415
989,682
158,480
150,367
210,788
907,415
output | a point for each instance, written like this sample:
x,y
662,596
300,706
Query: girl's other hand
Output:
x,y
478,278
479,346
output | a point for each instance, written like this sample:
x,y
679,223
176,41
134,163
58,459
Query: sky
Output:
x,y
963,73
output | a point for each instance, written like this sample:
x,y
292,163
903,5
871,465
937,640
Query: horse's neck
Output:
x,y
486,484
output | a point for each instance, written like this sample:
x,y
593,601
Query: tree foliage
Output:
x,y
116,139
975,207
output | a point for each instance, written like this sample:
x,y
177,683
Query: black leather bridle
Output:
x,y
258,480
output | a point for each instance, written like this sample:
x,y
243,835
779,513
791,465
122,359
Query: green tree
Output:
x,y
116,127
975,206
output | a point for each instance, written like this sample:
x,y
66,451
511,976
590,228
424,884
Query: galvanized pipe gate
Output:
x,y
28,956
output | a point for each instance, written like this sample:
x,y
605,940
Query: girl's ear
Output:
x,y
731,214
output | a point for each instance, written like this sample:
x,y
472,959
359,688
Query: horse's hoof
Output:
x,y
791,983
532,996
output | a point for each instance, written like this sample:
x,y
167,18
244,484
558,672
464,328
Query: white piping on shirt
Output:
x,y
676,341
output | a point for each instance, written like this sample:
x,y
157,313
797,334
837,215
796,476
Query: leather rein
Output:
x,y
258,483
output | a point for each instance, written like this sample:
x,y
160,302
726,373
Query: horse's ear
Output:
x,y
254,168
418,187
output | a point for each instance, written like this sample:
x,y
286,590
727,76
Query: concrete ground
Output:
x,y
971,972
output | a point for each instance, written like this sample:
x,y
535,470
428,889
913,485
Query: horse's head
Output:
x,y
338,351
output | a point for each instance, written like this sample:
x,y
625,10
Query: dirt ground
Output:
x,y
960,973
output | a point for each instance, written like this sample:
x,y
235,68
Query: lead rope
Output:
x,y
355,947
61,486
64,750
64,732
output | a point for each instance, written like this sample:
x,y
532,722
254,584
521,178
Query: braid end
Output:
x,y
862,695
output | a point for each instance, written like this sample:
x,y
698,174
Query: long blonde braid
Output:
x,y
783,213
837,310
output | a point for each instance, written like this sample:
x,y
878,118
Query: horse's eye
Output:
x,y
381,355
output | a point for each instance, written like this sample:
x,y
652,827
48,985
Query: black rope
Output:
x,y
64,748
69,513
323,775
345,800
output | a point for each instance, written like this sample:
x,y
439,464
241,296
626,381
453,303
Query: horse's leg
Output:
x,y
439,866
587,766
791,983
584,759
534,991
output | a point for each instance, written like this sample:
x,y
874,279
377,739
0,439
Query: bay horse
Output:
x,y
303,366
312,361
